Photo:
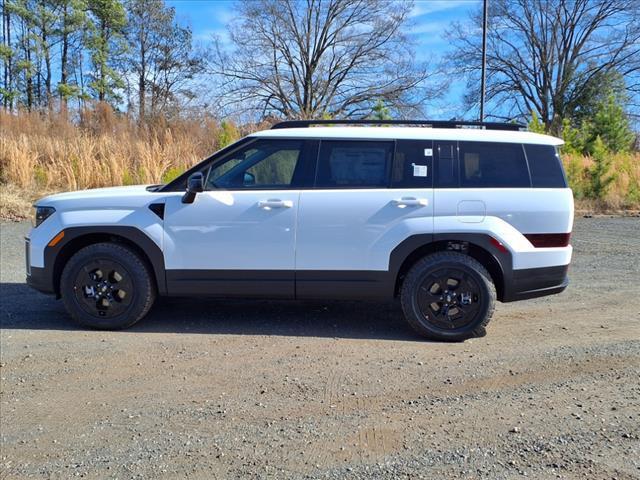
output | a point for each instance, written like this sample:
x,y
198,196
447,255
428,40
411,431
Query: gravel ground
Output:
x,y
233,389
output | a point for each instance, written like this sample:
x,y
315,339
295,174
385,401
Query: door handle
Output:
x,y
275,203
411,202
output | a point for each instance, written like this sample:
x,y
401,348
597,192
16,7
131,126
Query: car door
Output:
x,y
363,205
238,237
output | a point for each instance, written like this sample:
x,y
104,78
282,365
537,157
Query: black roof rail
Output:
x,y
426,123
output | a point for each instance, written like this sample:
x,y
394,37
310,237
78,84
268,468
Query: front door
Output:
x,y
238,237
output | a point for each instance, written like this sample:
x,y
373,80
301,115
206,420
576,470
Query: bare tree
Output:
x,y
161,56
314,58
544,56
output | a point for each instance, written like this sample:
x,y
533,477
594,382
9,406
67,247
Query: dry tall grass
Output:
x,y
41,153
50,152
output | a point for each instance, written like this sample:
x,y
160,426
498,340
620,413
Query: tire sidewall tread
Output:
x,y
413,280
137,268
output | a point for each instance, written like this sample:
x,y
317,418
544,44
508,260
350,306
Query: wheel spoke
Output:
x,y
449,297
104,288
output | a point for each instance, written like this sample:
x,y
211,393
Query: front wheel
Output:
x,y
107,286
448,296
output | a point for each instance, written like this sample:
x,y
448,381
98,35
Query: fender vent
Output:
x,y
158,209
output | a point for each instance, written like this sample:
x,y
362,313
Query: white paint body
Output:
x,y
315,229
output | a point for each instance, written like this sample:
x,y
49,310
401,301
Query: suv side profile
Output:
x,y
449,217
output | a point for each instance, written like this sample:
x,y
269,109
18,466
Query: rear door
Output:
x,y
360,209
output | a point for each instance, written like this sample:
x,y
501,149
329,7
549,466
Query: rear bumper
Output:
x,y
535,282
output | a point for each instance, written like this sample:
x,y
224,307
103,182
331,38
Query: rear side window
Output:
x,y
493,165
545,166
347,164
413,164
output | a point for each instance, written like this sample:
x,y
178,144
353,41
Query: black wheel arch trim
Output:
x,y
55,257
430,243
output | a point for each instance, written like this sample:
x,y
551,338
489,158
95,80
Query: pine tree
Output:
x,y
536,125
380,111
611,125
106,45
600,174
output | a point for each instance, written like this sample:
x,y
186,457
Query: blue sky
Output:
x,y
430,18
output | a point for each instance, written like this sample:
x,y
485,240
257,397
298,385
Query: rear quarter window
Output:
x,y
493,165
545,166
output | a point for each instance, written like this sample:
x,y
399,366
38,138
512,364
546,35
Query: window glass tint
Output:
x,y
263,164
545,166
353,164
412,165
447,164
486,165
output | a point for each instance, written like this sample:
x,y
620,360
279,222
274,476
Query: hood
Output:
x,y
132,195
108,192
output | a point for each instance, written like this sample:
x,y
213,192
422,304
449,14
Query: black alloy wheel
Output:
x,y
107,286
103,288
448,296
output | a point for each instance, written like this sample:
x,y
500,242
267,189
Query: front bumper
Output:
x,y
38,278
41,280
535,282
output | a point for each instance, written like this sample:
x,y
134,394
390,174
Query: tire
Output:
x,y
107,286
456,312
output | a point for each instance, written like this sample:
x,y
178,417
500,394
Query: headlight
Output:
x,y
42,213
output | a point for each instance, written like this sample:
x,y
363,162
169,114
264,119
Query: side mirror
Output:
x,y
195,184
249,179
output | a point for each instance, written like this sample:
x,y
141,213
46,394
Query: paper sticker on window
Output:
x,y
428,152
419,170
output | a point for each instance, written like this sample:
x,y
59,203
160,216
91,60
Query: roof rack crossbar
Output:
x,y
426,123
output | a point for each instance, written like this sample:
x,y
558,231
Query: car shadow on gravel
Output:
x,y
23,308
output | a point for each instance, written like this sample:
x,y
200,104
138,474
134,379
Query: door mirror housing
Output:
x,y
195,185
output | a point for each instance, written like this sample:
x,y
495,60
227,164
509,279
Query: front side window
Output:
x,y
353,164
265,164
493,165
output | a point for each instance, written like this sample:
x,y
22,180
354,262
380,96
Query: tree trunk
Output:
x,y
142,84
6,30
65,54
47,55
103,46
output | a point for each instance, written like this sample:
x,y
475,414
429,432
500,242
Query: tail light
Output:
x,y
548,240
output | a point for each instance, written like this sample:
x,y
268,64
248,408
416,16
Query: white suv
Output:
x,y
447,216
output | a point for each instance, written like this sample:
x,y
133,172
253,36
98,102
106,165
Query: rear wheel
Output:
x,y
448,296
107,286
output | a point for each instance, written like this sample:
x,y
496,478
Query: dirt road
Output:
x,y
216,389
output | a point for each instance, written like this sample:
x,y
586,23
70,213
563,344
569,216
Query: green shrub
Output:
x,y
127,178
600,174
40,176
171,174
